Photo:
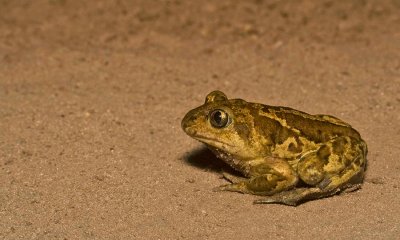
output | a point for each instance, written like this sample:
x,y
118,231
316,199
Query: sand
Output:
x,y
92,94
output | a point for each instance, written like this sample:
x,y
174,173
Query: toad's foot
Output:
x,y
234,187
232,178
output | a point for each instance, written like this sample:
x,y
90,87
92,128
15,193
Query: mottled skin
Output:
x,y
284,154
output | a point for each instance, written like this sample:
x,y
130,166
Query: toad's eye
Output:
x,y
219,118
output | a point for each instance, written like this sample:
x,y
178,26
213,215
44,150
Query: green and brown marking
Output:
x,y
276,148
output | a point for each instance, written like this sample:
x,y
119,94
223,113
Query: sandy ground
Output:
x,y
92,94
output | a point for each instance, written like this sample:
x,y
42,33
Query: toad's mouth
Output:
x,y
213,141
216,142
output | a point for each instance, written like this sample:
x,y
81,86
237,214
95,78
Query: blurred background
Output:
x,y
92,94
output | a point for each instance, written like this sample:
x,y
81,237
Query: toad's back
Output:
x,y
318,128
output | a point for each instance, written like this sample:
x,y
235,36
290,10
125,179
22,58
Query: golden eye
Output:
x,y
219,118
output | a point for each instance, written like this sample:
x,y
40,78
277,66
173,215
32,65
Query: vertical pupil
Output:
x,y
217,117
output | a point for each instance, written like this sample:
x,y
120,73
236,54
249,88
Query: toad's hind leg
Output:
x,y
295,196
299,195
344,167
336,166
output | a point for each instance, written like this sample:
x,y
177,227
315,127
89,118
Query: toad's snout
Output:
x,y
187,122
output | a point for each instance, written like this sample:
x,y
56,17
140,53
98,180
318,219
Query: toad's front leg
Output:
x,y
267,176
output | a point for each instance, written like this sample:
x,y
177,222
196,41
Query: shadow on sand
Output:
x,y
203,158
